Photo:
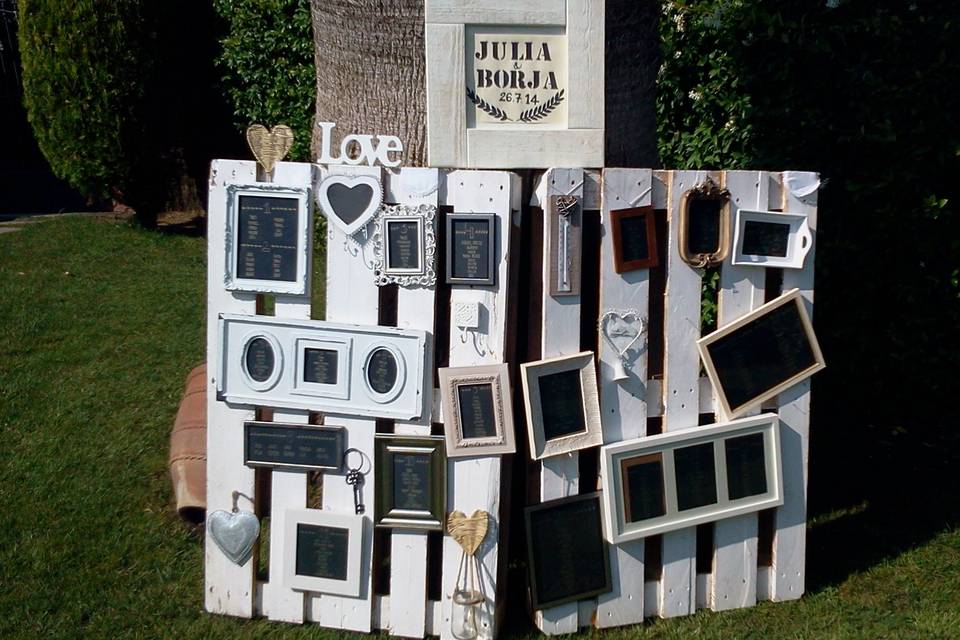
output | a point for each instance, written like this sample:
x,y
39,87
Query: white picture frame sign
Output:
x,y
304,526
771,239
487,390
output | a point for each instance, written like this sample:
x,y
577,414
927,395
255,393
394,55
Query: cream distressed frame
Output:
x,y
452,142
498,377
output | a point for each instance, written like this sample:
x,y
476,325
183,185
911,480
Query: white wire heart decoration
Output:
x,y
622,329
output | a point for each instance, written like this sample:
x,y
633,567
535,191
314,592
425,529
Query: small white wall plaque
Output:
x,y
268,239
323,551
321,366
771,239
405,246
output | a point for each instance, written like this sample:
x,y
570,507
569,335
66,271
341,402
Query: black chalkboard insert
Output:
x,y
322,552
696,476
320,366
412,482
268,444
259,359
267,229
477,410
765,238
634,244
382,371
643,489
561,404
403,241
703,225
471,246
746,466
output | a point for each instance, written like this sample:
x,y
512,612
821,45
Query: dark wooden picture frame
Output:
x,y
390,449
284,432
576,546
621,259
492,254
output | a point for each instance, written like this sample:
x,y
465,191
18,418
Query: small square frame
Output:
x,y
491,220
498,377
799,240
354,524
425,275
530,374
617,216
386,514
343,348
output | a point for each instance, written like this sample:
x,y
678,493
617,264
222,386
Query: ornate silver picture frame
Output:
x,y
405,245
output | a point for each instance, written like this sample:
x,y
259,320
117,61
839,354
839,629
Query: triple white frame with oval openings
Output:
x,y
451,142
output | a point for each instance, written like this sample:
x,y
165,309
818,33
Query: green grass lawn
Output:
x,y
99,324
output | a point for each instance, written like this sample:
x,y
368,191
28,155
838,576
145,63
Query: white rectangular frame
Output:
x,y
231,280
790,297
354,524
451,142
498,377
618,530
799,242
344,350
530,373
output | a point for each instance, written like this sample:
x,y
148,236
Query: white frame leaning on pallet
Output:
x,y
612,456
799,239
304,234
353,524
497,377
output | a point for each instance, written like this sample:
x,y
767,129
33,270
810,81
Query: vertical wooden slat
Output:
x,y
447,105
623,403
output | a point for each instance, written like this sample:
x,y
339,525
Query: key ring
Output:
x,y
357,469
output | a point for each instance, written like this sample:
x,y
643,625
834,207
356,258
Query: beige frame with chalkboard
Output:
x,y
793,297
354,524
386,512
497,376
613,456
232,281
592,435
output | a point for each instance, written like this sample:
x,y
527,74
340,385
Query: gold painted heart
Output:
x,y
269,146
468,532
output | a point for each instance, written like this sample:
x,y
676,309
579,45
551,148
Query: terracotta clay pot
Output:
x,y
188,448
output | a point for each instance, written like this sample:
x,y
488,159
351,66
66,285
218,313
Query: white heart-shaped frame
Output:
x,y
352,220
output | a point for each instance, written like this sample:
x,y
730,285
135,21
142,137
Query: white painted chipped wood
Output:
x,y
415,310
655,397
623,405
734,582
528,148
591,189
228,589
586,44
680,393
446,97
790,541
560,335
352,296
474,483
519,12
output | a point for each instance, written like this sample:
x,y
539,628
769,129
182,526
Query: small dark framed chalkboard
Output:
x,y
771,239
268,244
762,354
471,248
296,446
405,246
568,557
384,372
643,487
262,361
477,412
411,482
323,367
562,404
322,551
634,239
704,236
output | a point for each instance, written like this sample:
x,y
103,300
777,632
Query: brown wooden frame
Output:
x,y
653,259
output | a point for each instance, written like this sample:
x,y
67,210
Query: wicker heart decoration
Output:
x,y
234,533
468,532
349,202
269,147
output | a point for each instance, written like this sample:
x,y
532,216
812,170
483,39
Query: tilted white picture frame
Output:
x,y
358,388
351,525
497,377
797,243
613,456
541,444
303,234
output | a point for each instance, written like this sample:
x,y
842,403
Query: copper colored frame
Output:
x,y
616,218
710,191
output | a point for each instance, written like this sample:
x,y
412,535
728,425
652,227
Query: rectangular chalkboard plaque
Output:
x,y
411,482
771,239
321,552
568,557
404,252
561,404
471,246
696,476
746,466
634,239
643,488
477,414
321,366
299,446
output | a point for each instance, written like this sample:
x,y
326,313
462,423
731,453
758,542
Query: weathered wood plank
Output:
x,y
446,100
586,47
519,12
567,148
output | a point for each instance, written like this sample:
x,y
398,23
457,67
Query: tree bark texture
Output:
x,y
371,74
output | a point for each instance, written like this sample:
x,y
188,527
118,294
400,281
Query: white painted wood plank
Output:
x,y
734,583
585,36
228,589
352,296
680,393
790,521
623,403
655,397
408,583
560,335
474,483
519,12
527,149
446,95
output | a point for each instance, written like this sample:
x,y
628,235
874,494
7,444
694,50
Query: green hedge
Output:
x,y
267,59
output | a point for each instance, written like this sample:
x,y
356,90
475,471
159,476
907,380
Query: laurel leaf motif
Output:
x,y
538,113
486,107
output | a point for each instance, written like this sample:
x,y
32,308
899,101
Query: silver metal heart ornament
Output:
x,y
234,533
622,330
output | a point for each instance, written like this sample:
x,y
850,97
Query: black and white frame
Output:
x,y
591,434
797,243
232,280
491,221
497,378
661,451
338,524
387,513
425,273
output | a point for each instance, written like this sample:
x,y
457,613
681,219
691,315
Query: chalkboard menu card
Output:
x,y
704,236
403,245
300,446
321,366
762,354
478,420
471,246
267,239
765,238
568,557
321,552
746,466
634,239
411,482
771,239
561,404
643,488
382,371
259,360
696,476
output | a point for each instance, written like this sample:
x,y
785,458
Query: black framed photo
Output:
x,y
568,557
293,446
411,482
471,248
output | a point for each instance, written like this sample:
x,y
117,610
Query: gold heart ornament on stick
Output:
x,y
269,147
468,532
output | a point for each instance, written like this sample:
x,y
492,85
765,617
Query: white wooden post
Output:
x,y
623,404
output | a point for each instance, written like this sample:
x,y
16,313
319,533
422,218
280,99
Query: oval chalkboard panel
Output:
x,y
259,359
382,371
